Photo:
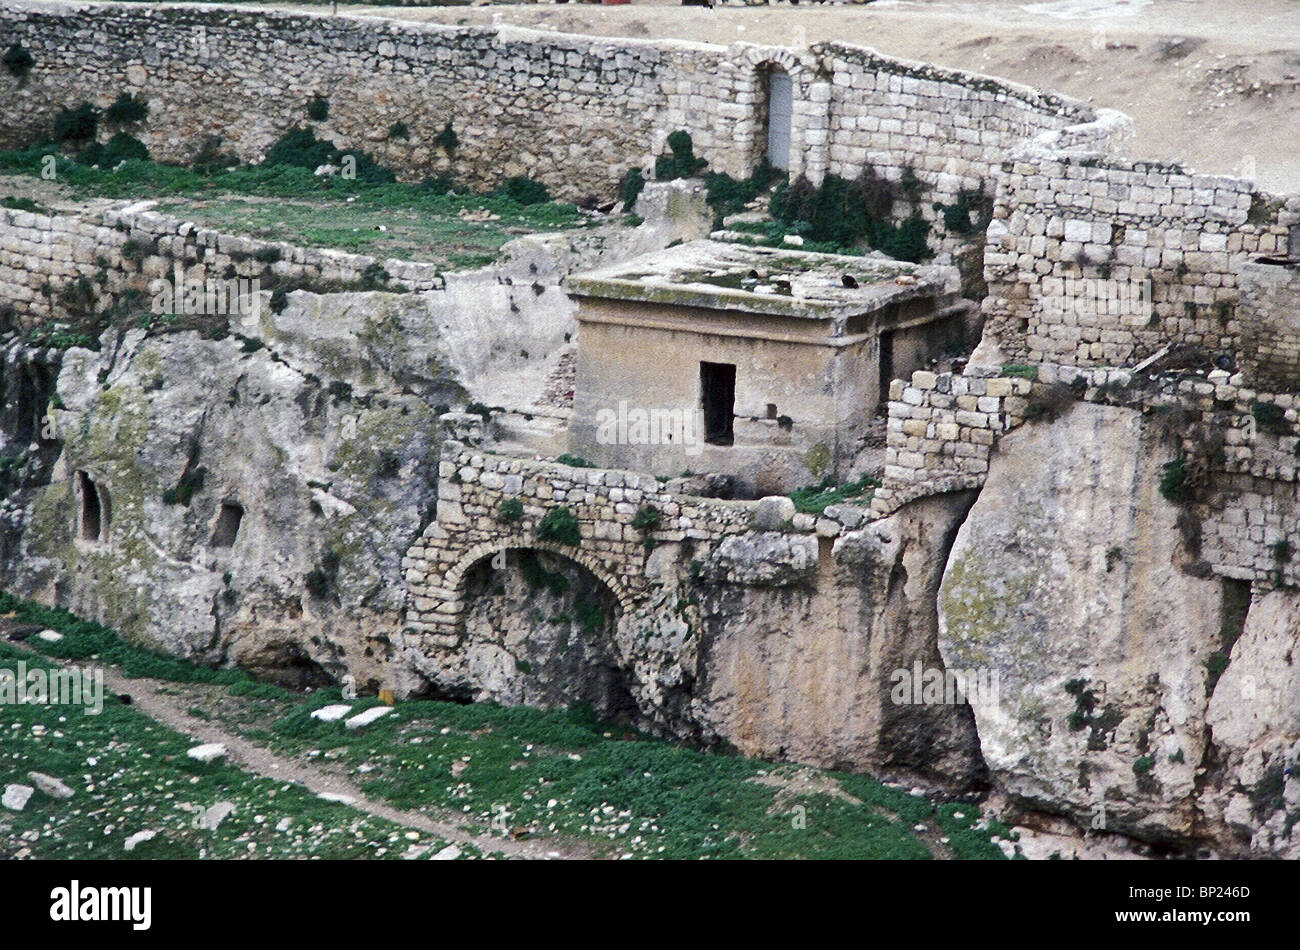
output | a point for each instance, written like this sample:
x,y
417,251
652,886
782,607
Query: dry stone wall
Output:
x,y
123,249
575,112
1097,262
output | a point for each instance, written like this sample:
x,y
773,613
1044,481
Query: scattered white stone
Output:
x,y
49,785
336,797
283,825
49,636
208,752
367,717
16,796
449,853
214,816
331,713
794,240
140,837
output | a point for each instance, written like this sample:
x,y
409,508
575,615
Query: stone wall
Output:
x,y
941,431
1097,262
1270,322
575,112
123,249
1241,447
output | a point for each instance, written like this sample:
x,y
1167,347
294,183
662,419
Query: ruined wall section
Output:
x,y
574,112
1068,230
63,266
950,129
1239,446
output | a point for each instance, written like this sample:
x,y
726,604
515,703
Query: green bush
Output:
x,y
646,519
1270,417
447,139
17,60
524,190
76,126
561,526
398,130
126,109
300,148
190,483
845,213
1173,480
813,499
120,148
574,461
633,184
510,510
318,109
681,161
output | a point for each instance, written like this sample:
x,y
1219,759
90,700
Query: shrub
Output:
x,y
17,60
318,583
190,482
561,526
126,109
1143,765
1270,417
510,510
119,148
646,519
398,130
1173,480
681,162
574,461
209,158
447,139
318,109
1283,551
1048,402
300,148
76,126
633,184
846,212
970,214
524,190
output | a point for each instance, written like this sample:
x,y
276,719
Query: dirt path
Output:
x,y
1213,83
171,711
148,697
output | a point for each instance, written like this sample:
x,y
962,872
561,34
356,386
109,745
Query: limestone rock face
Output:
x,y
798,661
251,492
1253,799
1068,580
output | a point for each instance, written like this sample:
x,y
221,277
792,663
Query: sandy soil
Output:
x,y
1226,99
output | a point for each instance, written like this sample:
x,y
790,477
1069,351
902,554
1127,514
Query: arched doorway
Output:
x,y
542,626
780,115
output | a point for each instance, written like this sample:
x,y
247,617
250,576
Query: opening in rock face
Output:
x,y
92,520
556,621
227,527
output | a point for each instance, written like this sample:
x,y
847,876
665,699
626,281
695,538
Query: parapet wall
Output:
x,y
575,112
54,266
1097,262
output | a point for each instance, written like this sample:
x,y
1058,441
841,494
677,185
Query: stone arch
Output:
x,y
454,579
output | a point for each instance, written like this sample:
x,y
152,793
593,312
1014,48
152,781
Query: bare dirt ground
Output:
x,y
1212,83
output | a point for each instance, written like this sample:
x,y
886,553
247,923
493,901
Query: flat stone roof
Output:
x,y
760,280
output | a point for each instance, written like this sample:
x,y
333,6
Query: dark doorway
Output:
x,y
886,364
718,393
91,512
227,528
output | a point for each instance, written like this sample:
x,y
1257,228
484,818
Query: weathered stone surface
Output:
x,y
16,797
1254,720
49,785
1068,580
208,752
